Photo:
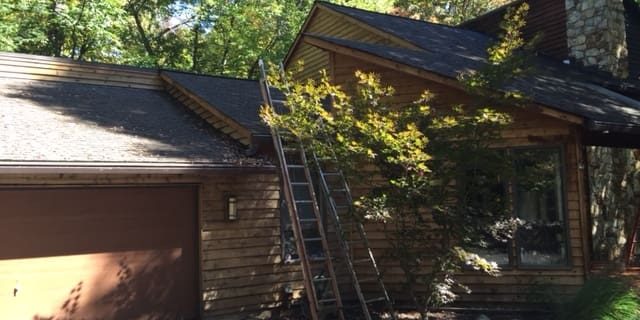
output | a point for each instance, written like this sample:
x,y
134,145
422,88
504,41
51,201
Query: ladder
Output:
x,y
339,200
632,244
320,281
335,187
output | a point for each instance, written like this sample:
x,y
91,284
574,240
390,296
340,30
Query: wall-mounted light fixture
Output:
x,y
231,206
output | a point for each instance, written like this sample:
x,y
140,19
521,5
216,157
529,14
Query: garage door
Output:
x,y
98,253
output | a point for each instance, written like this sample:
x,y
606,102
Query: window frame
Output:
x,y
514,256
513,247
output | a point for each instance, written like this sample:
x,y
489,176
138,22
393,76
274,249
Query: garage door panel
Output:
x,y
135,260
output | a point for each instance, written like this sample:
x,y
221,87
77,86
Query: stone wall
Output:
x,y
614,184
596,34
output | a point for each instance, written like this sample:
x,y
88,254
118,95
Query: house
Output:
x,y
589,99
134,193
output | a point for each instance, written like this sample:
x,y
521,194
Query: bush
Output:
x,y
603,299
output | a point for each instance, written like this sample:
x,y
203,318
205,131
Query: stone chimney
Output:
x,y
596,35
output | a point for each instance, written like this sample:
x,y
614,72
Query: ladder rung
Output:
x,y
332,300
278,101
339,190
317,259
290,150
371,279
321,279
358,261
312,239
372,300
295,166
307,220
304,201
331,174
299,183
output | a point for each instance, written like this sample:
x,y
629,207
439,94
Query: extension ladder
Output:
x,y
308,225
320,281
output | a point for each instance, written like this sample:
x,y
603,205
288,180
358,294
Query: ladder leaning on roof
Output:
x,y
339,200
311,241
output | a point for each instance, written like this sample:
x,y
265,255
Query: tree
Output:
x,y
80,29
206,36
441,197
446,11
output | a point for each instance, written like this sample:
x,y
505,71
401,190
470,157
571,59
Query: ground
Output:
x,y
410,315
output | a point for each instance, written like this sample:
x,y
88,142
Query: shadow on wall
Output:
x,y
136,288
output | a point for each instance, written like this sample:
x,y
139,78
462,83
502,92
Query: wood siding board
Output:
x,y
14,75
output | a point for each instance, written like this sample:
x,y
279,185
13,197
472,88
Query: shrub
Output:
x,y
603,299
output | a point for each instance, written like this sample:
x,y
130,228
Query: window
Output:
x,y
539,204
535,194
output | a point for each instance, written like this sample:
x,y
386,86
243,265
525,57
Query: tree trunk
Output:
x,y
614,181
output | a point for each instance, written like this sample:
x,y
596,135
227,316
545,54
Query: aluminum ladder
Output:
x,y
318,271
340,205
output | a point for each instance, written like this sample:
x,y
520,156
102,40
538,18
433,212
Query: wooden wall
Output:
x,y
530,128
326,22
242,271
546,18
24,66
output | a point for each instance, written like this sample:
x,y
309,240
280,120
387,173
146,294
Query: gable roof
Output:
x,y
448,51
44,121
425,35
238,99
56,112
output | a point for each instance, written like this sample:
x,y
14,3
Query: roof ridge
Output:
x,y
207,75
390,15
426,23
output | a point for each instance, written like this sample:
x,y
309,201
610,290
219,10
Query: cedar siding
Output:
x,y
534,126
530,128
324,20
546,19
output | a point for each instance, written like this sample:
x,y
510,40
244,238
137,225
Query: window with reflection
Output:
x,y
538,199
531,200
485,198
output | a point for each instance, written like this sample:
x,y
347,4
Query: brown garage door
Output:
x,y
98,253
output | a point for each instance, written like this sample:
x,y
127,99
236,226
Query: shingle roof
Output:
x,y
426,35
547,85
239,99
449,51
73,122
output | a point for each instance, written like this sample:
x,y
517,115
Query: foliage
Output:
x,y
604,299
206,36
446,11
79,29
506,57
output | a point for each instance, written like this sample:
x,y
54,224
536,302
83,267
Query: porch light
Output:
x,y
232,208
